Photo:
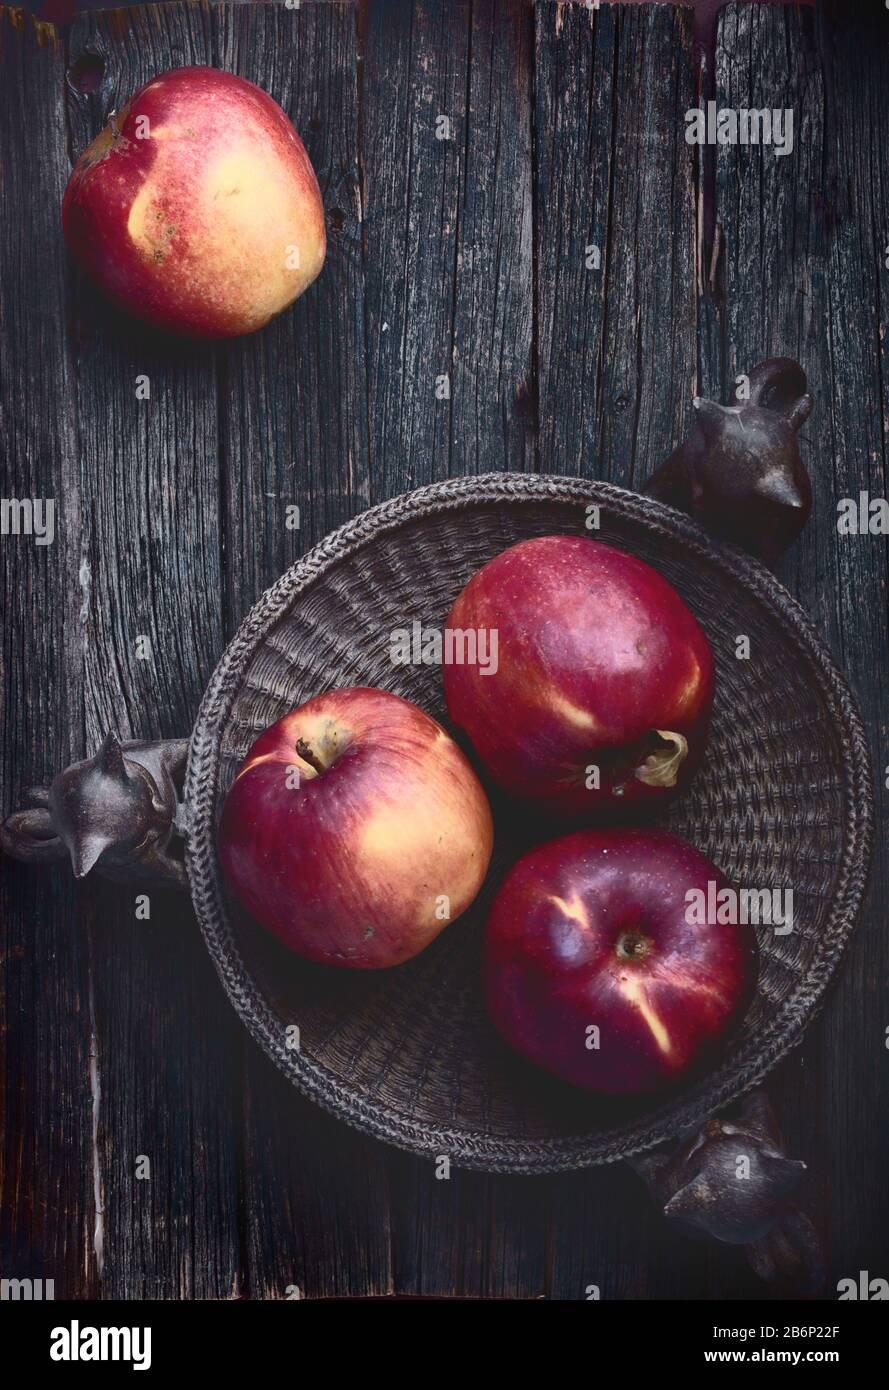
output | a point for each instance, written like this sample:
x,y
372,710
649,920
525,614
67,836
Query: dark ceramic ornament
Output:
x,y
116,811
733,1181
740,470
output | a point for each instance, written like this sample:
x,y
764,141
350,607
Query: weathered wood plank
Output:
x,y
293,412
803,275
472,1235
169,1048
856,59
608,1233
493,392
615,237
293,399
46,1161
316,1198
413,156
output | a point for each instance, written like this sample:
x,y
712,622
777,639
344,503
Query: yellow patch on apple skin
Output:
x,y
445,841
572,908
306,771
702,989
574,714
531,683
392,830
138,212
173,132
248,202
398,838
225,236
240,174
148,226
691,687
255,762
97,149
633,989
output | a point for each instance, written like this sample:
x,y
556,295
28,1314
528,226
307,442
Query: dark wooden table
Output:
x,y
466,257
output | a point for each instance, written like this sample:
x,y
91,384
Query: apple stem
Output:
x,y
661,768
308,756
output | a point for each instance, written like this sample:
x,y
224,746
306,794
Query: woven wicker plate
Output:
x,y
784,800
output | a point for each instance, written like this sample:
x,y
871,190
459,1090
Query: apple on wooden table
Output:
x,y
197,207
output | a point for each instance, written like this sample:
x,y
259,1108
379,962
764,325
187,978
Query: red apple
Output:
x,y
355,830
197,207
603,683
598,968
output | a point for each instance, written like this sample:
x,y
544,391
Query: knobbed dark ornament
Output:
x,y
733,1181
740,468
116,811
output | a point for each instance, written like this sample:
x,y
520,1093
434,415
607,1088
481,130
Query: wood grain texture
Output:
x,y
803,275
468,1233
169,1053
856,401
46,1161
413,158
616,344
293,399
317,1199
493,401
